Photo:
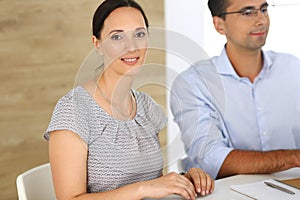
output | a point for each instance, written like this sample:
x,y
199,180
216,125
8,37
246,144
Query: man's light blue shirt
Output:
x,y
218,111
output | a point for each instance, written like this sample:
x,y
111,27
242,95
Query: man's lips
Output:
x,y
261,33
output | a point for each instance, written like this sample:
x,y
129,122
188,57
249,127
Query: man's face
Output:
x,y
249,29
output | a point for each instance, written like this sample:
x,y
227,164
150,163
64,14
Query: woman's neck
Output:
x,y
117,89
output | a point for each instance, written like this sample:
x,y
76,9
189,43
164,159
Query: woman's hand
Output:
x,y
169,184
203,183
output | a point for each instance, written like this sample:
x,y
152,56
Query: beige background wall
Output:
x,y
42,44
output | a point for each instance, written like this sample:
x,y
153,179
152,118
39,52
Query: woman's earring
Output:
x,y
99,50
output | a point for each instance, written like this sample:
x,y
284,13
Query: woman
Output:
x,y
103,136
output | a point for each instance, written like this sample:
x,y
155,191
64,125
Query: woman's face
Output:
x,y
124,40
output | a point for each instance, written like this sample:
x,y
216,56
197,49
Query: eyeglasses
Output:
x,y
249,11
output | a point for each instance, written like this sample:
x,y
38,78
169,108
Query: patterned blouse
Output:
x,y
119,152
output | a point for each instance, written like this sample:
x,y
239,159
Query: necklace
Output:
x,y
132,100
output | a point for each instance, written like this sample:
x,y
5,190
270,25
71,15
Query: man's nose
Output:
x,y
261,18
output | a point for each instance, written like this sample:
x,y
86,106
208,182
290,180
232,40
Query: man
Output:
x,y
239,112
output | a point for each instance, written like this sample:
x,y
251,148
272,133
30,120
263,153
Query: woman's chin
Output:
x,y
134,71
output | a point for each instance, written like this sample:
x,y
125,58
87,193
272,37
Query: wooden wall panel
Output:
x,y
42,44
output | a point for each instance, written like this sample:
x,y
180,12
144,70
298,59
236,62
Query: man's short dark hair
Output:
x,y
217,7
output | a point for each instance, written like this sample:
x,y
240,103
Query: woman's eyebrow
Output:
x,y
120,31
140,28
117,31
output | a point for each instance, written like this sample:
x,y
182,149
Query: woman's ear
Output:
x,y
96,44
219,24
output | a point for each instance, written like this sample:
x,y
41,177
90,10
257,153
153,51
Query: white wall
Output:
x,y
284,29
192,19
185,18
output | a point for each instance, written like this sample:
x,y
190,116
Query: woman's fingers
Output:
x,y
203,183
195,181
186,187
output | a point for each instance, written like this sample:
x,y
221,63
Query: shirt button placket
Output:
x,y
259,114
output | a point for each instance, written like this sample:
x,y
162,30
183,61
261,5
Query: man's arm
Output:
x,y
198,116
255,162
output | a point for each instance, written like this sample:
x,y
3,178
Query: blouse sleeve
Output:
x,y
69,114
157,115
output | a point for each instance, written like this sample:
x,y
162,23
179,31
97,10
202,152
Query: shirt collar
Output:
x,y
224,67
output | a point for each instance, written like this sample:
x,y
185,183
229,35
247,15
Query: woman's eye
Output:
x,y
140,34
116,37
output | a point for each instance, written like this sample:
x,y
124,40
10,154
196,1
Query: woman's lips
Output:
x,y
130,61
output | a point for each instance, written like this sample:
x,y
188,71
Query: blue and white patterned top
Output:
x,y
119,152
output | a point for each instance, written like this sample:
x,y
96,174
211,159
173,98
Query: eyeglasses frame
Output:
x,y
263,6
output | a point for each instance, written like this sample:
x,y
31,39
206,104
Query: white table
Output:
x,y
223,191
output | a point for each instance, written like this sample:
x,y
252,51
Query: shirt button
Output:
x,y
264,133
259,109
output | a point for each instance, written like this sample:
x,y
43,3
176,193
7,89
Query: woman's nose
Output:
x,y
130,44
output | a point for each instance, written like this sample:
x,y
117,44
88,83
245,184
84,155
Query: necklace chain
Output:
x,y
132,99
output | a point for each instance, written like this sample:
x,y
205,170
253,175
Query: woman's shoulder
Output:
x,y
76,100
70,113
143,97
146,104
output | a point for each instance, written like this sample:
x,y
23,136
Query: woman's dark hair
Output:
x,y
108,6
217,7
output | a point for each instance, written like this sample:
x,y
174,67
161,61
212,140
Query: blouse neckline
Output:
x,y
106,113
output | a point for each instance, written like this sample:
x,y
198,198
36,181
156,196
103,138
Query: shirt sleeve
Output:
x,y
196,110
69,114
